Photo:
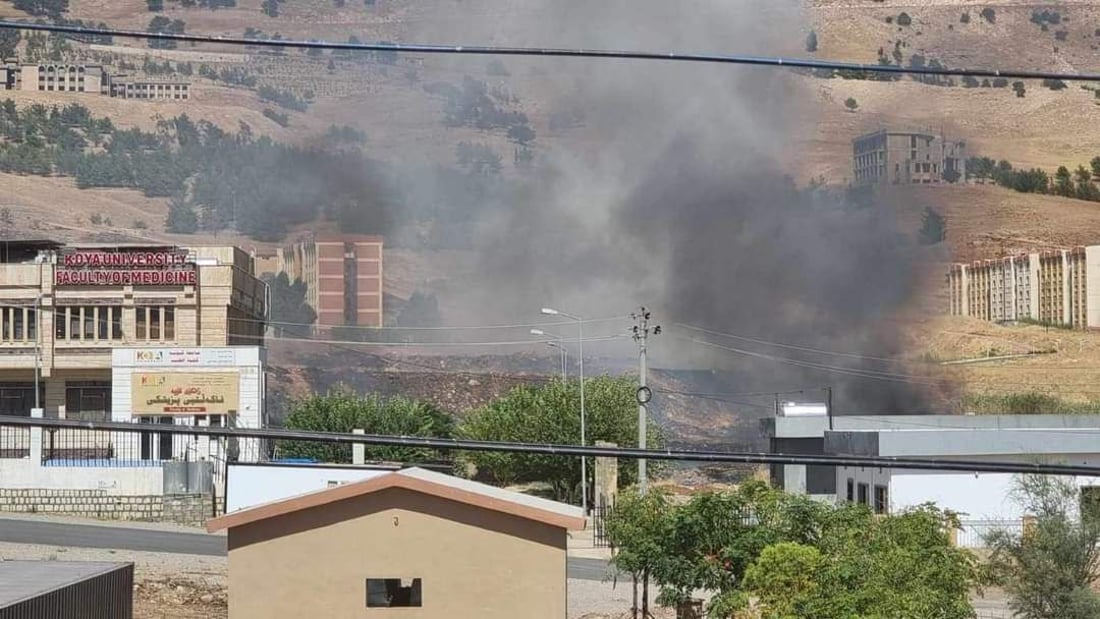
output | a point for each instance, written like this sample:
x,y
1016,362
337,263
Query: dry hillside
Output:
x,y
1043,129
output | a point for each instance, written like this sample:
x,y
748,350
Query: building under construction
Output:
x,y
1055,287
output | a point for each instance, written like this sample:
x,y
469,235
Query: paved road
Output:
x,y
147,540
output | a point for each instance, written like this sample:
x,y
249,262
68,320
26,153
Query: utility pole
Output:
x,y
641,336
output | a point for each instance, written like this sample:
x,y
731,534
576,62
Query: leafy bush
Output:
x,y
278,118
989,15
904,19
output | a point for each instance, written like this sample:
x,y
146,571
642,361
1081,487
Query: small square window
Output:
x,y
392,592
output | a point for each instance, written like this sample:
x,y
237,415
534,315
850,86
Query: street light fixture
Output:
x,y
556,343
580,352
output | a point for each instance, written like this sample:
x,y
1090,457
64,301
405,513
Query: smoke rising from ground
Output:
x,y
677,193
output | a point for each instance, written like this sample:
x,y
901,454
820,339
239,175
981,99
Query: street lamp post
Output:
x,y
580,352
557,342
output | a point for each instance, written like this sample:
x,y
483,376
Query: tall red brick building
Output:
x,y
343,277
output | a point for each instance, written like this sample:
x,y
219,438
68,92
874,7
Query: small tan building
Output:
x,y
409,544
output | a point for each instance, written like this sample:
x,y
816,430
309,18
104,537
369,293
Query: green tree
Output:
x,y
161,23
1019,88
550,413
785,581
291,314
155,6
1095,165
342,411
270,8
1063,182
182,218
989,15
1050,569
904,19
421,310
638,530
860,565
933,227
811,42
1085,189
851,104
521,134
9,39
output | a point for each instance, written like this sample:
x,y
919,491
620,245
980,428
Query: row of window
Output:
x,y
89,323
859,493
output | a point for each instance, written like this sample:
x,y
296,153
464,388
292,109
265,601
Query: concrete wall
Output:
x,y
113,481
474,563
183,509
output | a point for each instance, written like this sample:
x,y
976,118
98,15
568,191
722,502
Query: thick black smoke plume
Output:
x,y
677,192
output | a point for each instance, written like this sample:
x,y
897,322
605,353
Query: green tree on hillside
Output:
x,y
9,39
182,218
1086,190
1050,570
1063,182
811,42
550,413
933,227
1095,166
342,411
851,104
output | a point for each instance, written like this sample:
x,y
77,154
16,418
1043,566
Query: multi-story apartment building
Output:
x,y
900,158
64,311
1058,287
343,277
93,79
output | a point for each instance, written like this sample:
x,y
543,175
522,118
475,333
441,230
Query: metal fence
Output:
x,y
973,533
600,516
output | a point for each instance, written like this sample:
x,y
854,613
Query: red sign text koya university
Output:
x,y
167,267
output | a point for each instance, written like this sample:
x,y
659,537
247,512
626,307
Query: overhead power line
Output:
x,y
927,464
483,50
808,349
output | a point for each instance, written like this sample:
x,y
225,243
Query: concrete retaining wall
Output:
x,y
183,509
112,480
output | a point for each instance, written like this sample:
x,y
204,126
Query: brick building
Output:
x,y
902,158
343,277
1056,287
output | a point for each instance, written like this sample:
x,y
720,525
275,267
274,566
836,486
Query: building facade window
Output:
x,y
18,324
863,498
882,503
851,490
18,398
391,592
88,401
156,324
88,323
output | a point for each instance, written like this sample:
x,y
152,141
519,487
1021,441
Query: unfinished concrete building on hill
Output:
x,y
94,79
1059,287
903,158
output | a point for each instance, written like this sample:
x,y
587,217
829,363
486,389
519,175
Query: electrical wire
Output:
x,y
787,346
482,50
888,376
967,466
